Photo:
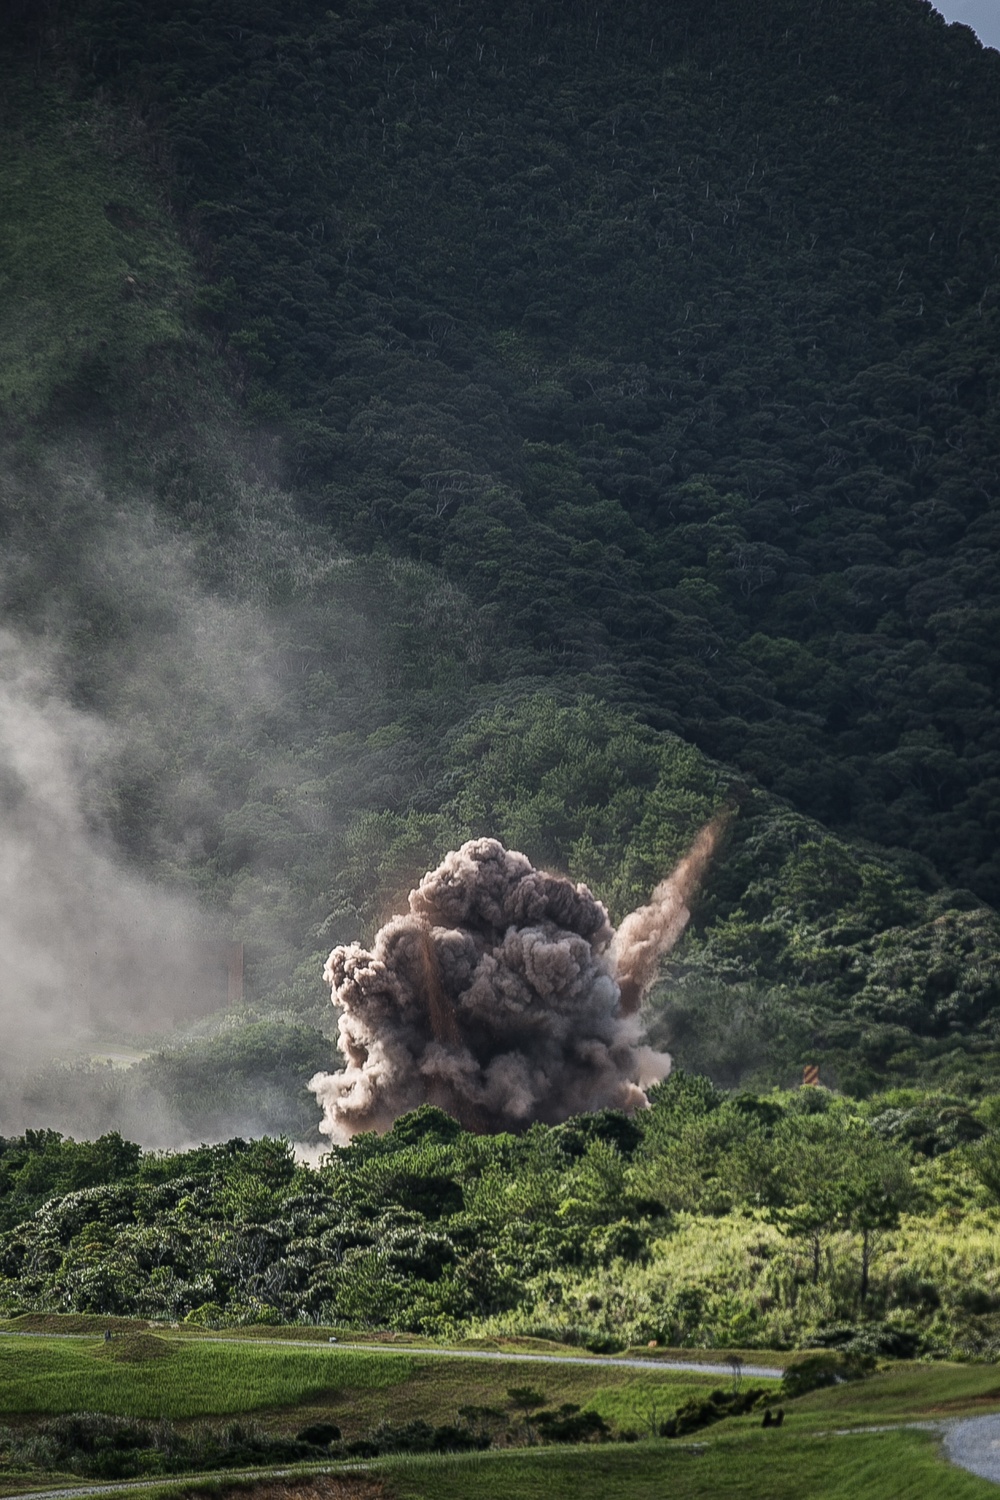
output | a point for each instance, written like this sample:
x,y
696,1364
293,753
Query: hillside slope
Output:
x,y
427,421
669,332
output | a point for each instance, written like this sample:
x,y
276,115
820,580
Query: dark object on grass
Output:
x,y
320,1434
571,1425
779,1416
768,1419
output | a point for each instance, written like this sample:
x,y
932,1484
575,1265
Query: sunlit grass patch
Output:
x,y
46,1376
908,1390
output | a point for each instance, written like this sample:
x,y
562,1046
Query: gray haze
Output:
x,y
118,669
83,943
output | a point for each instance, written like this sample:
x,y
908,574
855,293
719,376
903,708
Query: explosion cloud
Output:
x,y
503,996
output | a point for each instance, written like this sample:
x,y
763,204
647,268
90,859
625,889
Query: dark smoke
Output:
x,y
503,996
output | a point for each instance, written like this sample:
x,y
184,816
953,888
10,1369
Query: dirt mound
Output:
x,y
135,1348
72,1323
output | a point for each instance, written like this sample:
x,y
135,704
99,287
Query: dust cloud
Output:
x,y
122,676
503,996
84,944
646,934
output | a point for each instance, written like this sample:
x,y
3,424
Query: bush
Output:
x,y
417,1437
320,1434
571,1425
695,1414
871,1341
819,1370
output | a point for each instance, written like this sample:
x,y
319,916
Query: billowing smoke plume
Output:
x,y
502,996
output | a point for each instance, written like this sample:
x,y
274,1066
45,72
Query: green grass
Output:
x,y
769,1466
439,1387
46,1376
287,1387
907,1390
198,1376
903,1392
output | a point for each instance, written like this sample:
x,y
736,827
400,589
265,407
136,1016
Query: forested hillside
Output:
x,y
670,333
423,421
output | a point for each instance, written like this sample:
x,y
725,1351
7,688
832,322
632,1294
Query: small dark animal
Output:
x,y
779,1416
768,1419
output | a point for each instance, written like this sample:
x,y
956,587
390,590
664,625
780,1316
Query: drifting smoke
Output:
x,y
104,607
83,943
503,996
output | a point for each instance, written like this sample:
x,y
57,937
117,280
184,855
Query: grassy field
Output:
x,y
179,1379
149,1375
903,1392
902,1465
770,1466
191,1376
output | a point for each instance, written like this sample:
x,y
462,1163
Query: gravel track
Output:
x,y
698,1367
975,1445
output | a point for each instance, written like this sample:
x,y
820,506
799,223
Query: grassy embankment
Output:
x,y
194,1377
768,1466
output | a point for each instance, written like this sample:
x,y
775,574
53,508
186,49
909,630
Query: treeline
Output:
x,y
711,1219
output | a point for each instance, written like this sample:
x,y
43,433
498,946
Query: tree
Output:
x,y
525,1399
876,1186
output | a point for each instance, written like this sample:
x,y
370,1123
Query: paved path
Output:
x,y
975,1445
698,1367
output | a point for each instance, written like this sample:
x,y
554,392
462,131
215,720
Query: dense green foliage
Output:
x,y
95,1446
729,1220
421,421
